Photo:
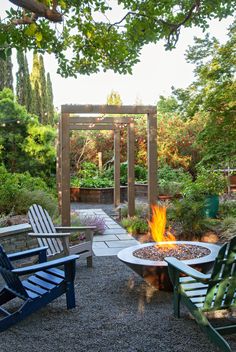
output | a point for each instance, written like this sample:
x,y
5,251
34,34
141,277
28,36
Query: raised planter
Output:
x,y
96,195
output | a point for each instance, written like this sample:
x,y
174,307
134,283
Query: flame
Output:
x,y
157,226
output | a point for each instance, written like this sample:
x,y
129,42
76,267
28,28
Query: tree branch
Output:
x,y
39,9
174,27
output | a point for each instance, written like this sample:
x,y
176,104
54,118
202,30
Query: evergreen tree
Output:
x,y
43,90
23,85
37,102
35,79
6,78
50,106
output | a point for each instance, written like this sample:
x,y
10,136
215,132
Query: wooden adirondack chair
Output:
x,y
207,293
56,239
37,290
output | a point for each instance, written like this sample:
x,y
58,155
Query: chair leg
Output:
x,y
90,261
70,295
213,335
176,303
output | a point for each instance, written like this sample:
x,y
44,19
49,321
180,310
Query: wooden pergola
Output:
x,y
71,121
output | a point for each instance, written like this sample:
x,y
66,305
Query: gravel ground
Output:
x,y
116,312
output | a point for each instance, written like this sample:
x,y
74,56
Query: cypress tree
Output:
x,y
6,78
34,78
43,90
23,85
50,106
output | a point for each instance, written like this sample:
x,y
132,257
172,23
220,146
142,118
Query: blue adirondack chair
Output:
x,y
37,290
202,293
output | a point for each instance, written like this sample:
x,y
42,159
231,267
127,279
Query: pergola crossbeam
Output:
x,y
108,109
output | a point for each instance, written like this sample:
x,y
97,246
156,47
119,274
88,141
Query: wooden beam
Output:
x,y
116,168
131,190
99,119
152,159
94,128
108,109
65,170
58,166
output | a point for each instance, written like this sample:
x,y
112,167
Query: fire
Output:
x,y
157,226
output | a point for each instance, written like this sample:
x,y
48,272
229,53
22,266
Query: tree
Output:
x,y
96,42
43,90
213,96
114,98
25,144
6,78
50,106
23,85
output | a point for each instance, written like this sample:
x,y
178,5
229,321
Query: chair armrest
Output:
x,y
75,228
186,269
43,266
49,235
24,254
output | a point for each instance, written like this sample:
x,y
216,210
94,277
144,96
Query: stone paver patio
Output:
x,y
114,239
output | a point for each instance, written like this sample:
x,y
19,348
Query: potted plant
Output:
x,y
208,185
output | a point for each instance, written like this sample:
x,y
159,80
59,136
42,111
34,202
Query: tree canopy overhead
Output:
x,y
96,42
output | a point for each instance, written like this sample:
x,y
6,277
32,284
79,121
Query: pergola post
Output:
x,y
116,168
65,170
152,159
131,190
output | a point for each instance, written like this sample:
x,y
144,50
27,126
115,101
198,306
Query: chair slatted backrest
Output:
x,y
221,293
41,222
11,279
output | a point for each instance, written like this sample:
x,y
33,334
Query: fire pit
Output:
x,y
155,272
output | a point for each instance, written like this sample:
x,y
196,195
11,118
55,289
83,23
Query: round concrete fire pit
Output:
x,y
156,272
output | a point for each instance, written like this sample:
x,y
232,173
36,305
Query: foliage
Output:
x,y
207,183
93,220
212,96
228,228
141,210
177,141
19,191
140,173
135,225
50,106
25,144
23,85
40,148
26,198
227,208
190,214
6,78
114,98
94,39
91,182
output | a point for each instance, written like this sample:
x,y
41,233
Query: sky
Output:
x,y
155,74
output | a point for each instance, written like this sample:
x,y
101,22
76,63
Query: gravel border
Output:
x,y
116,312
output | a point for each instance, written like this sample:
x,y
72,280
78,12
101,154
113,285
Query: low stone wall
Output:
x,y
15,238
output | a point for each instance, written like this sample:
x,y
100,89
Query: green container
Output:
x,y
211,206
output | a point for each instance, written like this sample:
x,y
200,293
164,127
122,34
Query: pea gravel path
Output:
x,y
116,312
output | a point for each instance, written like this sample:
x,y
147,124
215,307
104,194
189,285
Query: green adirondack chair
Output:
x,y
207,293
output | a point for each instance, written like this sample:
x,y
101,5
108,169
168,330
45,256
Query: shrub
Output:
x,y
27,198
19,191
135,225
93,220
228,228
227,208
141,210
190,214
